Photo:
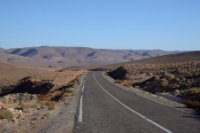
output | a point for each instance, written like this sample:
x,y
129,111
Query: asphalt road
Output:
x,y
106,108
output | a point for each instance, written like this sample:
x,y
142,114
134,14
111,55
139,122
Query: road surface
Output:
x,y
106,108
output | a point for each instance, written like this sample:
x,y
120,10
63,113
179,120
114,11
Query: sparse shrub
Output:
x,y
176,80
169,76
23,107
127,85
73,82
41,104
67,94
192,91
69,91
176,92
192,103
5,114
56,96
33,106
50,105
163,84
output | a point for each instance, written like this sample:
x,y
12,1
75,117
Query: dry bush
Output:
x,y
24,107
5,114
127,85
192,103
50,105
193,97
169,76
192,91
68,93
164,83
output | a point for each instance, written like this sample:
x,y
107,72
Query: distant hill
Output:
x,y
75,56
164,59
2,50
172,58
20,60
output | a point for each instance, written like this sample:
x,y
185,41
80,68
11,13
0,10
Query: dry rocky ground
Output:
x,y
181,79
31,95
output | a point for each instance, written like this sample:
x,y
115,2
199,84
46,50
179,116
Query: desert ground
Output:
x,y
31,95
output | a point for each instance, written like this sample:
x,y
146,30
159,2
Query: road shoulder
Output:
x,y
63,120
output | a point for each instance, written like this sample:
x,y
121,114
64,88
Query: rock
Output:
x,y
118,74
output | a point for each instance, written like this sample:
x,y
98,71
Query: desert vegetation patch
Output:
x,y
180,79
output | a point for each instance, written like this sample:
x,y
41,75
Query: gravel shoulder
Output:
x,y
63,119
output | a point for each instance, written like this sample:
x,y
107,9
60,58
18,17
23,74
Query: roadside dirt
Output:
x,y
37,99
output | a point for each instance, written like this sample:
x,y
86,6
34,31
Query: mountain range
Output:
x,y
73,56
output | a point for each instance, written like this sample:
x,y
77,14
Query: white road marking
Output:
x,y
82,83
80,118
82,88
133,111
182,110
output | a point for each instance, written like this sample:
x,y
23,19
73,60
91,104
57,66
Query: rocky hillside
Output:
x,y
178,74
76,56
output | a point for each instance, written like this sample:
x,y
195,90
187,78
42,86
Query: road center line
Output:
x,y
80,118
133,111
83,88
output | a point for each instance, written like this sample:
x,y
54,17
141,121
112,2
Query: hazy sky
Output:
x,y
113,24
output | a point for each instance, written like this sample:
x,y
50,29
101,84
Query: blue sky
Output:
x,y
113,24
